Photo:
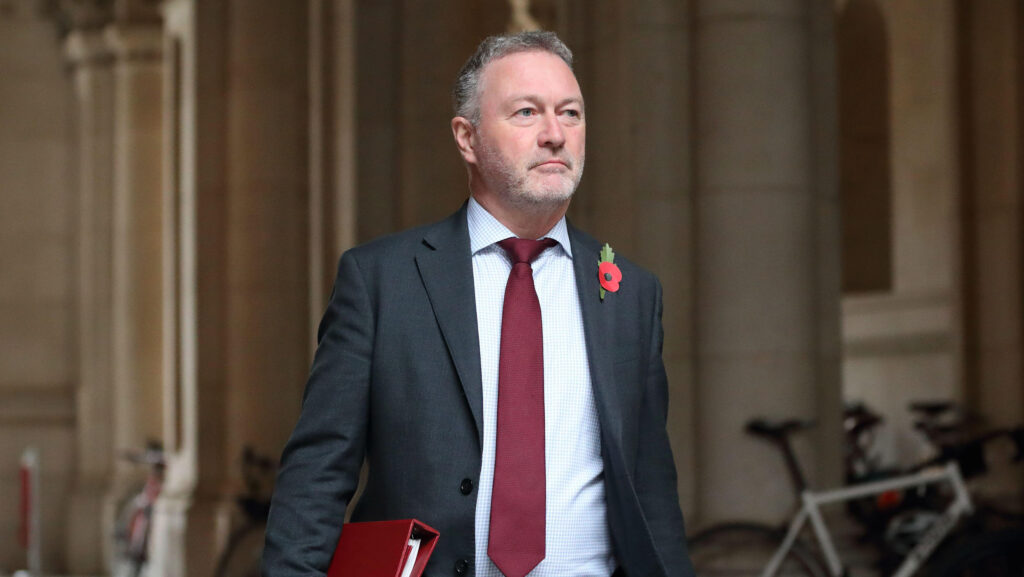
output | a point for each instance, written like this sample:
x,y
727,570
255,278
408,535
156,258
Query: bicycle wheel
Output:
x,y
995,554
744,549
241,557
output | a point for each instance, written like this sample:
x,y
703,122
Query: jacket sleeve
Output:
x,y
321,462
655,475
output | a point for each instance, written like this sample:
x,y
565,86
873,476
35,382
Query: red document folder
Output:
x,y
380,548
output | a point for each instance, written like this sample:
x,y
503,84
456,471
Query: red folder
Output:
x,y
381,548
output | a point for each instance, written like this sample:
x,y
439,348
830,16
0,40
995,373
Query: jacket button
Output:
x,y
461,567
466,487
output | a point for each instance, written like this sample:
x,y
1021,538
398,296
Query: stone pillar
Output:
x,y
237,286
432,181
659,56
828,438
191,516
378,37
762,290
39,247
992,219
332,147
136,247
636,192
267,220
91,63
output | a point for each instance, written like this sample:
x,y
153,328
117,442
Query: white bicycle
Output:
x,y
805,546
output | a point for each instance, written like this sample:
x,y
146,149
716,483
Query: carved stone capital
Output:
x,y
87,47
135,42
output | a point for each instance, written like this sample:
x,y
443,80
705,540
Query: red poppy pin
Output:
x,y
607,273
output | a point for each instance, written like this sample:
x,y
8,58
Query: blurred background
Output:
x,y
830,191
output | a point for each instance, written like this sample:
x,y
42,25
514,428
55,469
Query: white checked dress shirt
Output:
x,y
577,541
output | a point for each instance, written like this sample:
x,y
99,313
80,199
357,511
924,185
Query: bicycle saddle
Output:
x,y
763,427
931,408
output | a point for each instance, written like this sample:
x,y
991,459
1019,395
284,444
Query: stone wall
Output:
x,y
38,264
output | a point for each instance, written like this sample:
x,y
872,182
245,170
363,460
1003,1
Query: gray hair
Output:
x,y
466,93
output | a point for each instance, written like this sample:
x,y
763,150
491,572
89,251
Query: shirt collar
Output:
x,y
485,230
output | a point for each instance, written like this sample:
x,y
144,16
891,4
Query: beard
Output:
x,y
521,187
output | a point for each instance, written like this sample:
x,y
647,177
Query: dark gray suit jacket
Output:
x,y
396,380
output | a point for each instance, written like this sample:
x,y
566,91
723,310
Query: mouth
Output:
x,y
553,163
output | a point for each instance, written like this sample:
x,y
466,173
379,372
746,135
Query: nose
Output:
x,y
552,134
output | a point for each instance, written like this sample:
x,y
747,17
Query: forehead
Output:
x,y
534,74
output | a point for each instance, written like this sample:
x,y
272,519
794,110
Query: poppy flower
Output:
x,y
609,275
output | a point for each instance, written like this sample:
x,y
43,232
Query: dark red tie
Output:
x,y
516,542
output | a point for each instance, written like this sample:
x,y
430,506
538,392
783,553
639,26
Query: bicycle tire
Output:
x,y
243,553
994,554
744,549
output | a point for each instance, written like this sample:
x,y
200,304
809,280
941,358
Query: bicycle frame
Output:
x,y
812,501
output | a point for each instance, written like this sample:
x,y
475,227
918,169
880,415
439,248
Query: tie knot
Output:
x,y
525,250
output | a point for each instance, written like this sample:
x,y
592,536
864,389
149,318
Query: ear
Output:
x,y
463,131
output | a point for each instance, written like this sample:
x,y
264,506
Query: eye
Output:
x,y
573,113
525,112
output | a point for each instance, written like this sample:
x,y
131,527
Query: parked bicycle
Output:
x,y
951,434
892,520
241,556
954,542
135,515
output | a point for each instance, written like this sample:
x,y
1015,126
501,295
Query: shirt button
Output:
x,y
466,487
461,567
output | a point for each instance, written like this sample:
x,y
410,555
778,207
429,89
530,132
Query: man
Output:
x,y
498,390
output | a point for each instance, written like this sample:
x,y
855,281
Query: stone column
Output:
x,y
828,437
636,193
91,63
267,219
433,47
332,146
378,38
992,220
237,288
136,246
192,514
762,292
658,56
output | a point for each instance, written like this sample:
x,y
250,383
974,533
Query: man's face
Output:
x,y
530,141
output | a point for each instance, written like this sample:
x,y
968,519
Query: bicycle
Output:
x,y
737,549
955,434
891,519
950,433
135,515
244,550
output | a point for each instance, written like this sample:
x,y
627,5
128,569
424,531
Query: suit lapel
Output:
x,y
446,268
599,329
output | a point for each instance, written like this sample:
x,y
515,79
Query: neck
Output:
x,y
531,222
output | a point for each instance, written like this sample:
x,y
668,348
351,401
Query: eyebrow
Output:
x,y
536,99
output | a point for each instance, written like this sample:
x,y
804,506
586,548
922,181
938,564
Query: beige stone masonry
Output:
x,y
92,63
